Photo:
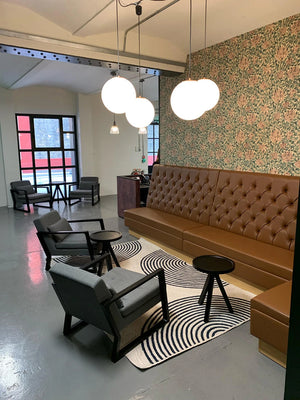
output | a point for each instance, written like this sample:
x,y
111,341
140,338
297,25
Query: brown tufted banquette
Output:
x,y
248,217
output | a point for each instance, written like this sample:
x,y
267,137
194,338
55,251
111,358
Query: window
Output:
x,y
153,142
47,148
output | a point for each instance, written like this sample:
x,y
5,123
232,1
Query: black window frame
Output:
x,y
61,148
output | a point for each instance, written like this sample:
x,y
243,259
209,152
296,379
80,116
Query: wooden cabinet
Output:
x,y
132,192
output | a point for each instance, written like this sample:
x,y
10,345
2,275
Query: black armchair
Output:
x,y
88,187
110,302
58,238
23,192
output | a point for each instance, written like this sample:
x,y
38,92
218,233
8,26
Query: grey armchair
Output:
x,y
110,302
88,187
23,192
58,238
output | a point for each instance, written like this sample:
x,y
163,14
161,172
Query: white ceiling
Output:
x,y
17,72
87,19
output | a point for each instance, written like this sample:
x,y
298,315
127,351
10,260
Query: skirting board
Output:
x,y
272,353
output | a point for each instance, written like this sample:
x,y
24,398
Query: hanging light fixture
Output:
x,y
118,92
114,130
185,98
210,92
143,131
140,112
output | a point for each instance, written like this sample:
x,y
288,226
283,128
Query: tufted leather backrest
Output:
x,y
183,191
259,206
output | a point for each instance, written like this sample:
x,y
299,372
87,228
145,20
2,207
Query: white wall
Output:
x,y
112,155
102,154
9,146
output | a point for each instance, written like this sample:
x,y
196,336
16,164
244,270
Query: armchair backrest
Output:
x,y
43,223
24,185
81,294
86,182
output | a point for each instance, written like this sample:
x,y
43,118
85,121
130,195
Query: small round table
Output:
x,y
213,265
105,237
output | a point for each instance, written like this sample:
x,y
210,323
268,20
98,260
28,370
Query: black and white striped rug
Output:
x,y
186,328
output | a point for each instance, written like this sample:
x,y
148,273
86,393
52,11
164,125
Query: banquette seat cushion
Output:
x,y
258,262
270,315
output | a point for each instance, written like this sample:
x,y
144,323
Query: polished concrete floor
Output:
x,y
38,363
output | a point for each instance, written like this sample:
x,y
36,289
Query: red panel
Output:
x,y
26,159
23,123
25,141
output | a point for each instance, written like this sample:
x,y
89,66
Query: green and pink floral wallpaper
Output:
x,y
255,125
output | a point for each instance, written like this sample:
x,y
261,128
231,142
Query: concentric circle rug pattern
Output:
x,y
186,328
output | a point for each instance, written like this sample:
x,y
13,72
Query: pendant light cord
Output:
x,y
205,23
117,22
190,39
139,40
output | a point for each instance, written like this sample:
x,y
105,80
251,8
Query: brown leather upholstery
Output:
x,y
264,257
182,191
248,216
259,206
270,316
160,225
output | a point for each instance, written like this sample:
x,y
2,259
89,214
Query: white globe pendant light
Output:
x,y
140,112
186,100
117,94
210,93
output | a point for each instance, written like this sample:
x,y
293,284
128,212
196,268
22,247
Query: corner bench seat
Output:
x,y
270,316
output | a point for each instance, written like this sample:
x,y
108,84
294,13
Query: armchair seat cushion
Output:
x,y
118,279
39,197
73,241
80,192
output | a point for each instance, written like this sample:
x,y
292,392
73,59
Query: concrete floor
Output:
x,y
38,362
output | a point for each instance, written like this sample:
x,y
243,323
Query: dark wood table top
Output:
x,y
106,236
213,264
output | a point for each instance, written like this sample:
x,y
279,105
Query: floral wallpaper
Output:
x,y
255,125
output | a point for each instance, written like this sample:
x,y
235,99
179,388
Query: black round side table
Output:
x,y
213,265
105,237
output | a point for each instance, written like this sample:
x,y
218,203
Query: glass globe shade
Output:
x,y
140,112
210,93
117,94
143,131
185,100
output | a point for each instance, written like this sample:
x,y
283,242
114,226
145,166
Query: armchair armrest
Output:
x,y
45,187
95,261
70,185
100,220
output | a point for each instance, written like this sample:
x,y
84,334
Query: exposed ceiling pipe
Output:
x,y
146,19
